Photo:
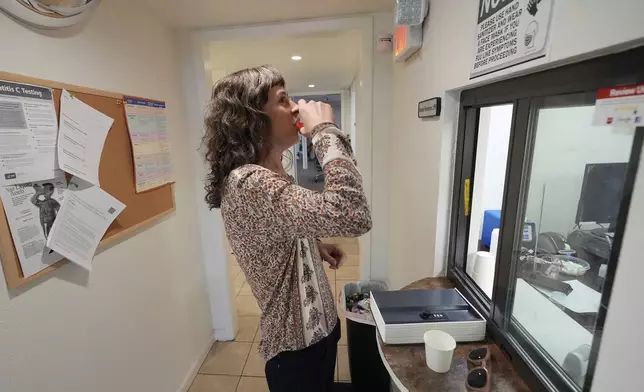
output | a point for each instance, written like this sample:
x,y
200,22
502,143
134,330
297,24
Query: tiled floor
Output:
x,y
236,366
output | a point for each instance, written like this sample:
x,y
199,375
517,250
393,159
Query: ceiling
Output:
x,y
330,61
211,13
331,99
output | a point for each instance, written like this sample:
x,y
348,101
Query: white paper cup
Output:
x,y
483,273
439,349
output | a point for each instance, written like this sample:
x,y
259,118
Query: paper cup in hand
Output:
x,y
439,349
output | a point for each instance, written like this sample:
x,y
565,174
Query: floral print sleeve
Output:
x,y
341,210
272,225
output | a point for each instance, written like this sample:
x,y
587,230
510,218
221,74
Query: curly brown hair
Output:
x,y
236,127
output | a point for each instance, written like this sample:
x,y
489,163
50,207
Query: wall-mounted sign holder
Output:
x,y
429,108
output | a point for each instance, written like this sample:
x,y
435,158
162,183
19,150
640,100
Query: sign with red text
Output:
x,y
510,32
620,106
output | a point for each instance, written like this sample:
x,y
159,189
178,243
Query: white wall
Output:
x,y
496,159
140,320
352,118
338,113
495,124
381,166
215,248
565,142
346,111
617,367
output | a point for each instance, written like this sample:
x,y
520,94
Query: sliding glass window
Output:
x,y
573,188
541,198
482,187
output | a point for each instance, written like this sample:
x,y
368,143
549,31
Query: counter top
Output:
x,y
406,363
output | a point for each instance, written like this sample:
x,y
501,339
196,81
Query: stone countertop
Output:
x,y
406,363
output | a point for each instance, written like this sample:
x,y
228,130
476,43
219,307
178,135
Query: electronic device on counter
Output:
x,y
529,236
554,244
403,317
592,245
540,280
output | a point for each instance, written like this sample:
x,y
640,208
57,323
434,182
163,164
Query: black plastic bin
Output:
x,y
368,374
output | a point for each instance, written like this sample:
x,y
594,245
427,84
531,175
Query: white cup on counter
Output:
x,y
439,350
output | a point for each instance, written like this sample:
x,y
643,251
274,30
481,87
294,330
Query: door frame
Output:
x,y
197,82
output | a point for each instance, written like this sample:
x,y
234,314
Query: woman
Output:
x,y
273,225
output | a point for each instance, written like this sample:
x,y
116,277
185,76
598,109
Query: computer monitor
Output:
x,y
601,193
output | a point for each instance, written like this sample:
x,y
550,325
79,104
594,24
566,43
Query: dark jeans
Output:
x,y
308,370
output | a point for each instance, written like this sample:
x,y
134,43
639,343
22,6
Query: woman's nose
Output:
x,y
294,108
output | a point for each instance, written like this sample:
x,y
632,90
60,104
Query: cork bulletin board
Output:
x,y
116,175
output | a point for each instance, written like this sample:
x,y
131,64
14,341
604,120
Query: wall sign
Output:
x,y
510,32
620,106
429,108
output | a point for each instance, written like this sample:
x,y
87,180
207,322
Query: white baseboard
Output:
x,y
194,369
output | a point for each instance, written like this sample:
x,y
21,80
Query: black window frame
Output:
x,y
527,94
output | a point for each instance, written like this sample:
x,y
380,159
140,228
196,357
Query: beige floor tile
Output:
x,y
226,358
209,383
245,290
348,272
343,336
247,306
234,271
238,282
351,260
258,336
255,364
252,384
247,327
343,364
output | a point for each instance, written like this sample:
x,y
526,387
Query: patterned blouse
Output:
x,y
273,225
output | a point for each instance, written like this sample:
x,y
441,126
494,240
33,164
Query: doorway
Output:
x,y
199,72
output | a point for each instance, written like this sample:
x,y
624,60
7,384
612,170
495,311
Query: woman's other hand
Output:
x,y
331,254
313,113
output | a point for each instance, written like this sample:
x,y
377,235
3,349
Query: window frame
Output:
x,y
528,94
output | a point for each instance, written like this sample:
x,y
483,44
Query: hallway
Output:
x,y
236,366
307,177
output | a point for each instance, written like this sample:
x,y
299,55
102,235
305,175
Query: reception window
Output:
x,y
540,202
